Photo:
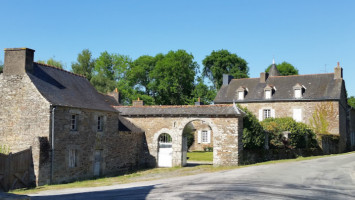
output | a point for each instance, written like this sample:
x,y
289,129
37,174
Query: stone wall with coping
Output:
x,y
227,135
25,120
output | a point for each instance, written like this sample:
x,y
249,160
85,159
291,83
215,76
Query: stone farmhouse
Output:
x,y
298,96
77,133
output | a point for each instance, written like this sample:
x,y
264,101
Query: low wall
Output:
x,y
255,156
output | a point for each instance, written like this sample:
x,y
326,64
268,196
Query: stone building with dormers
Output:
x,y
297,96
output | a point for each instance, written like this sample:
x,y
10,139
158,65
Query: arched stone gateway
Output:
x,y
225,121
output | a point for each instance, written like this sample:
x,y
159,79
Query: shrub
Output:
x,y
4,149
301,136
253,132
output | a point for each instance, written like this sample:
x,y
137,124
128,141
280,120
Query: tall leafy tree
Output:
x,y
223,62
110,69
139,73
85,64
173,78
52,62
202,92
285,69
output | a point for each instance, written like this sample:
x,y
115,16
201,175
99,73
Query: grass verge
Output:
x,y
200,156
153,174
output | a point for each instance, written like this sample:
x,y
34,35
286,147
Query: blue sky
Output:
x,y
313,35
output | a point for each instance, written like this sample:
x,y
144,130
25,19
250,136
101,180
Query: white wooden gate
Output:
x,y
165,151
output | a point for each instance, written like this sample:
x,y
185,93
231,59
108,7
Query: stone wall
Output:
x,y
227,135
336,118
199,126
120,151
24,118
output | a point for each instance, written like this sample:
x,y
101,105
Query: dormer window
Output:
x,y
298,90
268,91
241,92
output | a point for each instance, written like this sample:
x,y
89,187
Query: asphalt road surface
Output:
x,y
324,178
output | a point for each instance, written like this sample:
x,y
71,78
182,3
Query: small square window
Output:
x,y
73,158
74,122
100,122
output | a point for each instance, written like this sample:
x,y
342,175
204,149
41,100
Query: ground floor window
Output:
x,y
267,113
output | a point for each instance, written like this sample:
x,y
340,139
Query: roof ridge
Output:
x,y
175,106
285,76
51,66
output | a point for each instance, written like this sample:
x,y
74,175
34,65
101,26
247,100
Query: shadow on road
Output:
x,y
126,193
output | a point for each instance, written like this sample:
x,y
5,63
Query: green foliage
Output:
x,y
189,133
253,132
322,116
1,67
139,74
173,78
223,62
4,149
301,136
204,92
52,62
285,69
351,101
85,64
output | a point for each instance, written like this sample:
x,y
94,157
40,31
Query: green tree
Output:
x,y
85,64
253,132
52,62
285,69
110,71
172,79
204,92
223,62
1,67
139,73
351,101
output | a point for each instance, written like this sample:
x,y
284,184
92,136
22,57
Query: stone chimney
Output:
x,y
227,79
137,102
263,77
18,61
338,72
198,103
116,95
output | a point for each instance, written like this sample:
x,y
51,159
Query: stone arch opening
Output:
x,y
197,136
165,150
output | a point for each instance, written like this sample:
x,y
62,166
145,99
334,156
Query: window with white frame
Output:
x,y
240,95
297,114
267,94
204,135
100,122
73,157
267,113
74,122
298,93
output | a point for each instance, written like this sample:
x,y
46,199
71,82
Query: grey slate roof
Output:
x,y
63,88
204,110
126,125
317,87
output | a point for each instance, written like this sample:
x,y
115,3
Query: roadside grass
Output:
x,y
200,156
154,174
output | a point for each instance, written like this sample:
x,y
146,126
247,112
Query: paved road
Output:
x,y
324,178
